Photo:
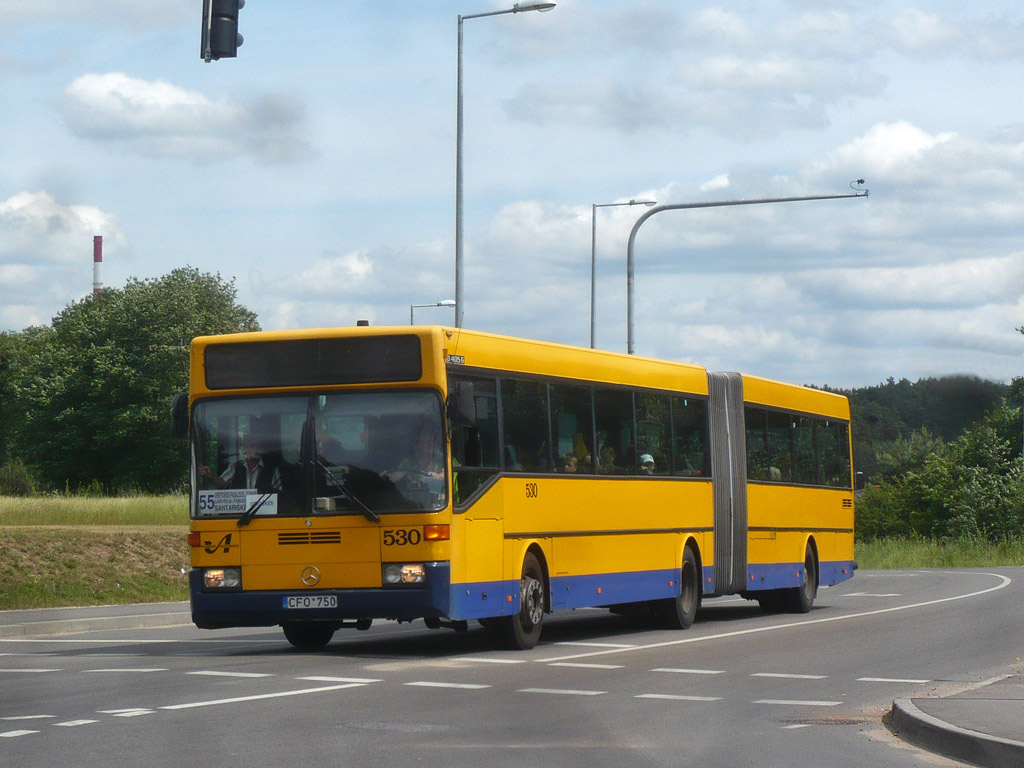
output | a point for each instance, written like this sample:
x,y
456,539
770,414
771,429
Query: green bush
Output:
x,y
16,479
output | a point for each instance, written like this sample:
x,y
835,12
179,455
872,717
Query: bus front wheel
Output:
x,y
308,635
679,612
522,630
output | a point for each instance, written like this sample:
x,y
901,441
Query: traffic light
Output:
x,y
220,39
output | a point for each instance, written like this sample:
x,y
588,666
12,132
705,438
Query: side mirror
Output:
x,y
179,415
462,404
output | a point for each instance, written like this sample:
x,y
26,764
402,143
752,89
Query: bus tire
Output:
x,y
801,599
308,635
679,612
522,631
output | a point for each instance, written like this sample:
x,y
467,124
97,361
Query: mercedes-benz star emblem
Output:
x,y
310,575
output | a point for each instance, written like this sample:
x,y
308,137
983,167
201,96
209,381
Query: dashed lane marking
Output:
x,y
216,673
76,723
561,691
582,665
259,697
798,703
437,684
891,680
788,676
676,671
676,697
15,734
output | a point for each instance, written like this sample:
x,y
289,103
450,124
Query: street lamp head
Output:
x,y
532,6
446,303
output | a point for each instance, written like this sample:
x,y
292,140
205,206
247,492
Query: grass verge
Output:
x,y
57,551
931,553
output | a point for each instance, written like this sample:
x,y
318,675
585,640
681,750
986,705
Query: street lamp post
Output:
x,y
517,8
445,303
630,346
593,259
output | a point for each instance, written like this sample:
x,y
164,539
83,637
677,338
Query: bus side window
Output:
x,y
524,406
572,419
757,447
654,427
690,456
475,453
613,417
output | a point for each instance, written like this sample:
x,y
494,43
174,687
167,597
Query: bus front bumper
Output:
x,y
267,608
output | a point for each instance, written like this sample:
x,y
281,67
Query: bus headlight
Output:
x,y
222,578
403,574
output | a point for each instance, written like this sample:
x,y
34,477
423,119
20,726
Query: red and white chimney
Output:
x,y
97,263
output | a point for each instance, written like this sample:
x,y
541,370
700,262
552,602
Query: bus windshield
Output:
x,y
338,453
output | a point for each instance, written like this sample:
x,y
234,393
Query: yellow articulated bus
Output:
x,y
349,474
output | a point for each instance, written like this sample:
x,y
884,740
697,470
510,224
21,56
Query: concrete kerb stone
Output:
x,y
95,623
952,741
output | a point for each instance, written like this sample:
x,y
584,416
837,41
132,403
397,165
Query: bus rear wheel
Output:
x,y
522,631
308,635
680,612
801,599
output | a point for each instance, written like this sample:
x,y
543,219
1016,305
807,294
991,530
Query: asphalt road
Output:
x,y
738,689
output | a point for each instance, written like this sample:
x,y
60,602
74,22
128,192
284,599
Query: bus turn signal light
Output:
x,y
436,532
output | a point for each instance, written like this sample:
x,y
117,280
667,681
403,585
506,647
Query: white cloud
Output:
x,y
35,229
159,119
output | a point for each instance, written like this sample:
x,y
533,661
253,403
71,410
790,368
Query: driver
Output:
x,y
426,460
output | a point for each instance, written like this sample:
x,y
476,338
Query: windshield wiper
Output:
x,y
255,507
340,485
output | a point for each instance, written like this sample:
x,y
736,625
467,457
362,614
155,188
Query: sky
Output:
x,y
317,171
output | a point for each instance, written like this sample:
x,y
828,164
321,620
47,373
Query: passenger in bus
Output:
x,y
646,464
606,463
568,463
253,470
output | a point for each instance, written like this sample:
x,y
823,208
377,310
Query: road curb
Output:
x,y
952,741
95,623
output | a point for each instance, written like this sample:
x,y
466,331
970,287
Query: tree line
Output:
x,y
84,401
84,408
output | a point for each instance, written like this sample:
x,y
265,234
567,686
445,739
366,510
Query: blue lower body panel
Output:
x,y
216,610
788,575
480,600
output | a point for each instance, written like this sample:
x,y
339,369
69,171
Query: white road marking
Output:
x,y
676,671
584,644
492,661
32,671
461,686
319,679
214,673
137,712
787,676
14,734
795,726
799,703
29,717
76,723
281,694
872,594
676,697
1004,582
583,665
130,669
561,691
891,680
